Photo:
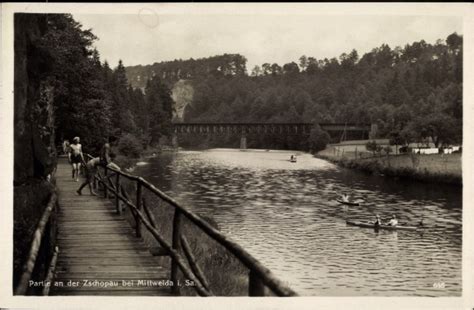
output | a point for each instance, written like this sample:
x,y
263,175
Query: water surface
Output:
x,y
285,214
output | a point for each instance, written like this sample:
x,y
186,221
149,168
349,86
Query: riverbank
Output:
x,y
439,168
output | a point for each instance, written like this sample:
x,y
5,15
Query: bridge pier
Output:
x,y
174,141
243,142
373,131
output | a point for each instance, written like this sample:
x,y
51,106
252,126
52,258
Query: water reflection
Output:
x,y
285,214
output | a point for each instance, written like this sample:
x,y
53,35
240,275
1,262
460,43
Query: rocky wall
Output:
x,y
34,151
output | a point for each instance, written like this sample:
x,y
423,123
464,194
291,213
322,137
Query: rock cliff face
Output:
x,y
182,94
33,109
34,151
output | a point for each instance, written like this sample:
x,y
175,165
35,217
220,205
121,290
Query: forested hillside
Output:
x,y
411,92
173,71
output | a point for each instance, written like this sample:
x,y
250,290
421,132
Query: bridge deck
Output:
x,y
97,244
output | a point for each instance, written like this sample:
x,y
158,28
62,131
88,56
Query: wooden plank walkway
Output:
x,y
98,245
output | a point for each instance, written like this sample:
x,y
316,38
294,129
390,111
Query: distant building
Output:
x,y
425,150
433,150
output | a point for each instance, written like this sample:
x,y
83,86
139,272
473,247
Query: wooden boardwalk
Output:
x,y
98,245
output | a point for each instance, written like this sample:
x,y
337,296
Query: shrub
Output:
x,y
371,146
318,139
129,145
403,150
387,150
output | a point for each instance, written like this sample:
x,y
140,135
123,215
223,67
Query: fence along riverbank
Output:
x,y
176,246
141,197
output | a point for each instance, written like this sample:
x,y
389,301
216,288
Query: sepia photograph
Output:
x,y
238,151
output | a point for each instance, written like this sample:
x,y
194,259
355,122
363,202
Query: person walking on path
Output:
x,y
76,157
66,147
91,170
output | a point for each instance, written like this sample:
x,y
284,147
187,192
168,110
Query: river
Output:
x,y
285,214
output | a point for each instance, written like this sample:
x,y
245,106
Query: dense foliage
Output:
x,y
172,71
411,93
318,139
92,100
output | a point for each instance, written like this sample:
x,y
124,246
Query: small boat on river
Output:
x,y
387,227
293,158
349,203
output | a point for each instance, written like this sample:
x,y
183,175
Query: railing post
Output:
x,y
256,286
105,182
94,183
176,246
117,191
138,227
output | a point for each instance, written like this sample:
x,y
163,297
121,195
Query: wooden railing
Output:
x,y
259,276
42,231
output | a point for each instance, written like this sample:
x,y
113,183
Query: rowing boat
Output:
x,y
388,227
347,202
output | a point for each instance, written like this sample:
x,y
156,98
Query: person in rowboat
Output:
x,y
377,221
393,221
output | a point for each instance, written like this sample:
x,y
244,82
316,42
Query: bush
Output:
x,y
129,145
318,139
403,150
387,150
373,147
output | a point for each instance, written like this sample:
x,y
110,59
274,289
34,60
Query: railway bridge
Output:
x,y
244,129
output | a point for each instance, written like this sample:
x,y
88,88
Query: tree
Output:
x,y
160,109
312,66
291,68
123,119
128,145
256,71
454,42
303,63
275,69
80,100
140,111
266,68
441,128
318,139
401,137
349,61
373,147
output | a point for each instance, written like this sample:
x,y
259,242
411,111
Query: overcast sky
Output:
x,y
260,38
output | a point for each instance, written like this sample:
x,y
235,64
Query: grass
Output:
x,y
30,200
442,168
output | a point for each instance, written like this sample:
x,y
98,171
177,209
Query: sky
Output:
x,y
148,38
